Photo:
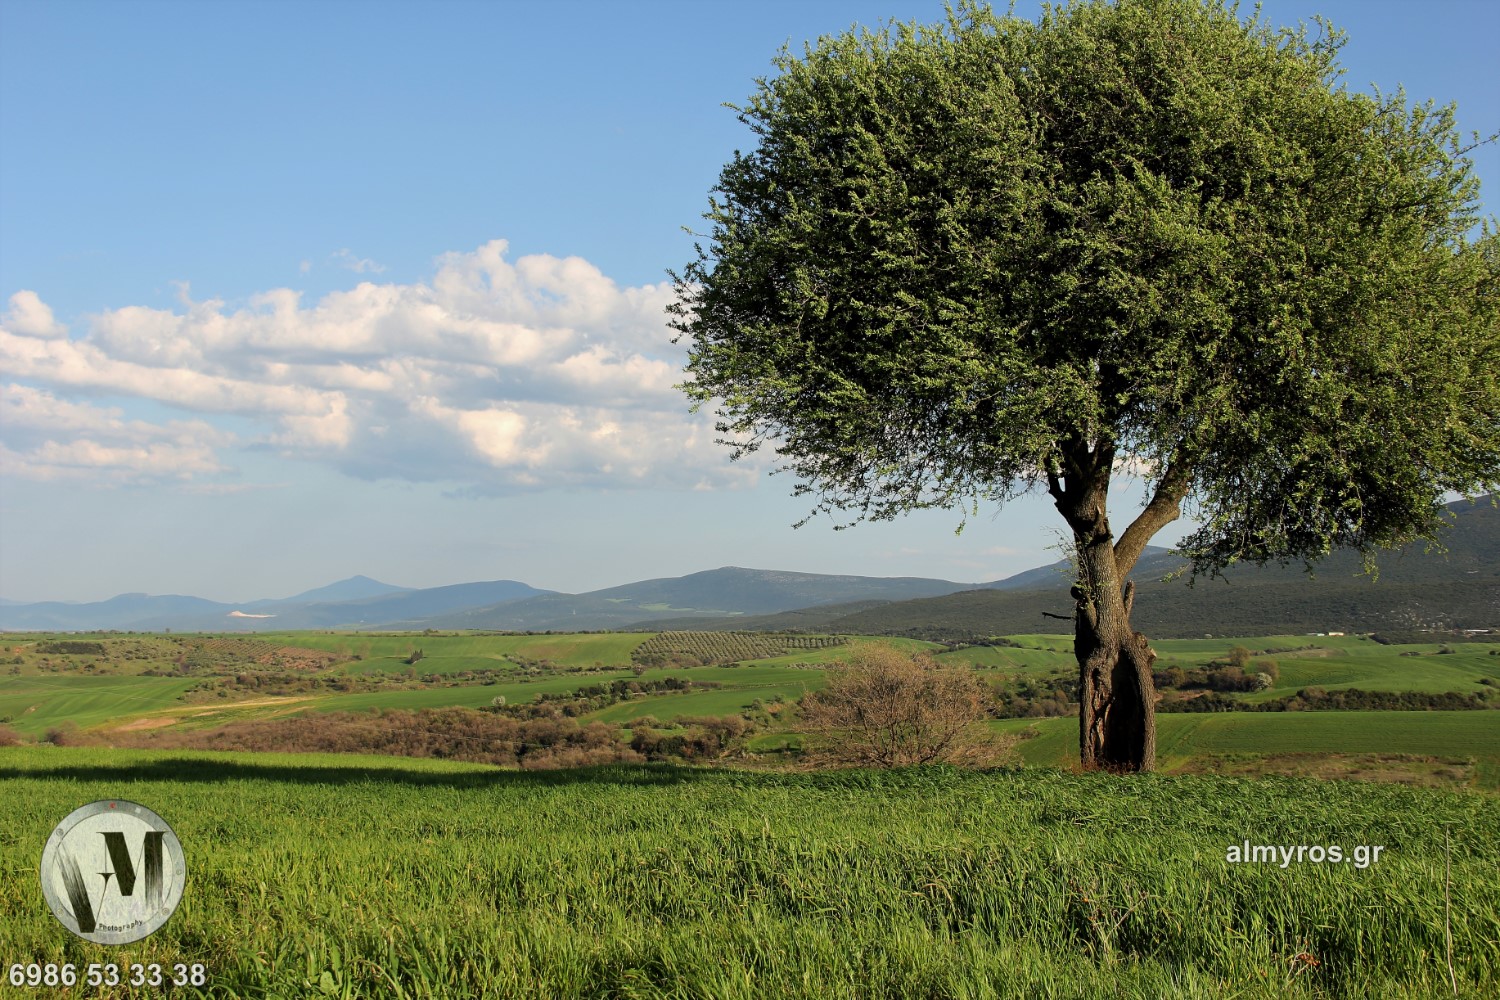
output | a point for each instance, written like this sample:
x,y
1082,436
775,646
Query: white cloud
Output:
x,y
355,263
46,438
30,316
495,375
1134,466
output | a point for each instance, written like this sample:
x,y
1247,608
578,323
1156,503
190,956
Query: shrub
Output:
x,y
61,736
885,708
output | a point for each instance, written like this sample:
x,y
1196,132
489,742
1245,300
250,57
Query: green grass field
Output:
x,y
1180,738
466,696
48,691
366,877
1009,660
36,702
582,650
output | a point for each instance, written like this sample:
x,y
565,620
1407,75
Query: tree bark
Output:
x,y
1117,696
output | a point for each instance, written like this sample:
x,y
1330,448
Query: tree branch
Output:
x,y
1054,482
1164,508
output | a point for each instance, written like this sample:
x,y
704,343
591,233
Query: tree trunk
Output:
x,y
1117,696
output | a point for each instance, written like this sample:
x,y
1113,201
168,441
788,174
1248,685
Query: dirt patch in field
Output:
x,y
156,723
253,703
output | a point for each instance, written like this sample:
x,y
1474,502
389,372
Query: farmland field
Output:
x,y
1182,737
143,689
35,703
581,650
350,876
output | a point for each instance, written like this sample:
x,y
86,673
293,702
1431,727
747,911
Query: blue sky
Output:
x,y
294,291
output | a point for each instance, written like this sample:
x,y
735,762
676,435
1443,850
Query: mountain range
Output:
x,y
1415,588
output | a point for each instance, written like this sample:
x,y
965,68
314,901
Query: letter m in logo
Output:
x,y
124,872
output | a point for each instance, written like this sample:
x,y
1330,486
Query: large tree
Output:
x,y
996,255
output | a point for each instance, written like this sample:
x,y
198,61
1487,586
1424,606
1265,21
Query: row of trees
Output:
x,y
1342,700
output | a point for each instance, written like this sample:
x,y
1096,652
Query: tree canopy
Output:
x,y
962,256
996,255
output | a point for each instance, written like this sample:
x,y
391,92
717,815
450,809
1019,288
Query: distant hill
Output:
x,y
356,588
121,612
712,595
814,619
1415,588
1175,611
144,613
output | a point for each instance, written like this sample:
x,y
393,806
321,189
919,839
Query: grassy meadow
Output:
x,y
339,875
354,877
1453,740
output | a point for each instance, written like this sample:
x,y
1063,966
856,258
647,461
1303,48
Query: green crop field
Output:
x,y
1330,662
202,682
729,701
837,654
1183,737
579,650
33,703
1386,669
1011,660
367,877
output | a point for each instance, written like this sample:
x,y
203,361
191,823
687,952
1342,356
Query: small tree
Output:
x,y
884,708
995,256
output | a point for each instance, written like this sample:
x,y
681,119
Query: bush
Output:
x,y
61,736
884,708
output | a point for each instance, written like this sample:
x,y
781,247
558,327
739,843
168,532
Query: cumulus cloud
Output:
x,y
30,316
50,439
495,375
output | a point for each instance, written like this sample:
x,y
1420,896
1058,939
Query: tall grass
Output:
x,y
343,876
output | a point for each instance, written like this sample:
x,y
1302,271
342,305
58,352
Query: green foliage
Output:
x,y
701,648
967,260
72,647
